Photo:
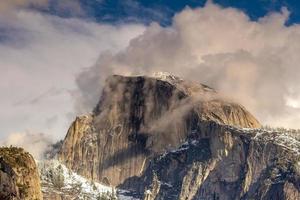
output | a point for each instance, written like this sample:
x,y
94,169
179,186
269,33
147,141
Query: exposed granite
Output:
x,y
19,174
229,164
8,188
165,138
138,118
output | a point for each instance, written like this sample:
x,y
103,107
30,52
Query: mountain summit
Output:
x,y
167,138
139,116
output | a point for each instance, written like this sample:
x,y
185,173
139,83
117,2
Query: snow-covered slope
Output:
x,y
288,139
58,181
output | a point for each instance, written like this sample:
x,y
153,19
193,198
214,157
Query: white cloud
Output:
x,y
40,58
35,143
254,62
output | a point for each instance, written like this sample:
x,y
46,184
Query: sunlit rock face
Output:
x,y
19,176
139,118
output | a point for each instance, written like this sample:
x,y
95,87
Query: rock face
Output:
x,y
226,164
166,138
138,118
19,175
8,188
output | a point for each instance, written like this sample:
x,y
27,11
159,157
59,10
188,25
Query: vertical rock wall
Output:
x,y
137,118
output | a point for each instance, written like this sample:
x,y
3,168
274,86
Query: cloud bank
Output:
x,y
254,62
40,56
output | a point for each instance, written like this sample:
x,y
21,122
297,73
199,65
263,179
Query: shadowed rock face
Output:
x,y
227,164
139,118
19,177
8,188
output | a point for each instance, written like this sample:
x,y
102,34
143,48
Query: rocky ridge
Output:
x,y
166,138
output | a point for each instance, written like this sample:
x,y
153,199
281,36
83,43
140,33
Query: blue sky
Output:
x,y
162,11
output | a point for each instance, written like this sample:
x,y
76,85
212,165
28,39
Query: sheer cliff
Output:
x,y
19,176
139,117
166,138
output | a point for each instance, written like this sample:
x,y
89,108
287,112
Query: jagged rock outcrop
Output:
x,y
19,175
139,117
